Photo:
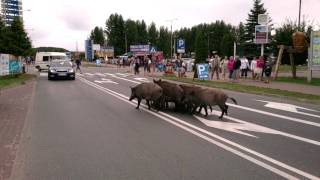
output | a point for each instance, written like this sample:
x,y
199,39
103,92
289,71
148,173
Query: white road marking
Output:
x,y
100,74
104,81
43,74
276,115
142,79
79,74
246,126
289,107
124,74
89,74
114,76
177,122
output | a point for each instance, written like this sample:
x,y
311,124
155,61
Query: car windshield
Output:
x,y
61,64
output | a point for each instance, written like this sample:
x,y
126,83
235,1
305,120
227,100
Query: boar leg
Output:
x,y
222,111
226,109
139,101
148,103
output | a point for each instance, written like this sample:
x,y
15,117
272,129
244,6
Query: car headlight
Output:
x,y
71,70
52,70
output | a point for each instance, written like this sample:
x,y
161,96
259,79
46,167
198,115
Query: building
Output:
x,y
9,9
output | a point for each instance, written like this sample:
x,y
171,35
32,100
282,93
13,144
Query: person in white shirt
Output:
x,y
253,66
244,66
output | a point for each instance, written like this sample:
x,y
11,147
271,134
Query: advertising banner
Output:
x,y
261,34
315,48
203,71
4,64
89,49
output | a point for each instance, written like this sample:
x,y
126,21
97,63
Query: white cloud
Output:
x,y
64,22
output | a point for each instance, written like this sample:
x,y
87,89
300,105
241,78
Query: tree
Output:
x,y
201,48
19,41
131,32
226,44
142,32
153,34
3,37
115,33
164,41
97,36
252,20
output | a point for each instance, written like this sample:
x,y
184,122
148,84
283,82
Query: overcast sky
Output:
x,y
64,23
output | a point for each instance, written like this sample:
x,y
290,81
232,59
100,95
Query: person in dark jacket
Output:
x,y
236,67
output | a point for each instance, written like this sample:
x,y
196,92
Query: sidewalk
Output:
x,y
307,89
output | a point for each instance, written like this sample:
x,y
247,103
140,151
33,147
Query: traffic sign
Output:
x,y
152,49
181,46
203,71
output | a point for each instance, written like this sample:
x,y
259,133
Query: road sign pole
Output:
x,y
262,49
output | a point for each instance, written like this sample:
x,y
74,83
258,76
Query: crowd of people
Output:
x,y
234,68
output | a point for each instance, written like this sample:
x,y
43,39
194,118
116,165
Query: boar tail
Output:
x,y
234,101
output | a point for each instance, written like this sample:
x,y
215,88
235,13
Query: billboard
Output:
x,y
261,34
315,48
89,49
140,49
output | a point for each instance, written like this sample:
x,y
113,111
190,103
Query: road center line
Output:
x,y
174,120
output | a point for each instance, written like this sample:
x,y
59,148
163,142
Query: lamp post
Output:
x,y
299,15
209,41
171,21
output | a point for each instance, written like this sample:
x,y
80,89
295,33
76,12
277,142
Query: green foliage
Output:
x,y
115,31
3,37
226,44
153,34
18,41
97,36
252,20
201,48
164,41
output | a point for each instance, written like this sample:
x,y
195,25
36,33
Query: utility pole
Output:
x,y
299,15
171,21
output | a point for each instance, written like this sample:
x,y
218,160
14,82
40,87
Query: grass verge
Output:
x,y
6,81
299,80
250,89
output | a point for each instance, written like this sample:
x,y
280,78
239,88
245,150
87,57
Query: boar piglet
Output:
x,y
147,91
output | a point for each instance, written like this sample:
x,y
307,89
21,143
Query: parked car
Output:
x,y
61,69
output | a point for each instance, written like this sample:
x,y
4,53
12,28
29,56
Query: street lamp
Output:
x,y
171,21
208,41
299,15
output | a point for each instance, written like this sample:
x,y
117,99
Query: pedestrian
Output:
x,y
179,67
136,65
236,67
268,70
244,67
224,67
260,66
230,66
215,66
78,63
253,66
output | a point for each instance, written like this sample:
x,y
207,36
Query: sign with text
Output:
x,y
89,49
4,64
140,50
181,46
261,34
203,71
315,48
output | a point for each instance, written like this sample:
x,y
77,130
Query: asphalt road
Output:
x,y
87,129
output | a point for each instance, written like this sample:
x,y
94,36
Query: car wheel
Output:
x,y
73,78
49,78
39,70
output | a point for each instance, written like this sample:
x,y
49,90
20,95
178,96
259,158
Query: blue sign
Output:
x,y
153,49
203,71
15,66
89,49
181,46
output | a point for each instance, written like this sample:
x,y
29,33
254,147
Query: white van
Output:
x,y
43,59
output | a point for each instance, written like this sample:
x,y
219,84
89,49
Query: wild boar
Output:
x,y
172,92
188,98
204,97
147,91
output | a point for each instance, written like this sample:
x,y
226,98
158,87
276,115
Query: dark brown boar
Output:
x,y
147,91
172,92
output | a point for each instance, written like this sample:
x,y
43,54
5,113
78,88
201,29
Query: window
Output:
x,y
45,58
